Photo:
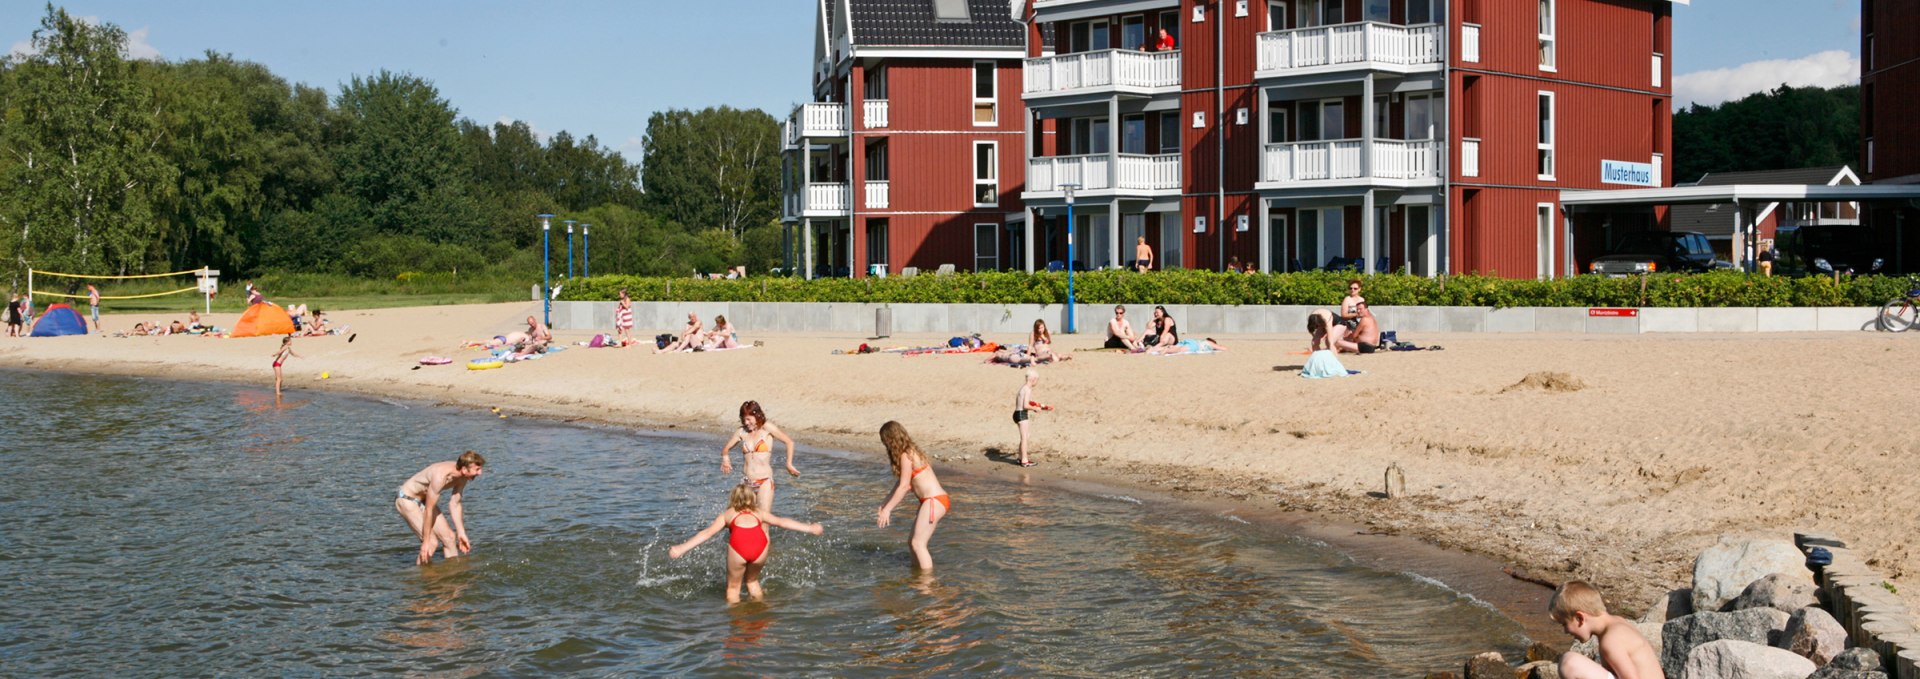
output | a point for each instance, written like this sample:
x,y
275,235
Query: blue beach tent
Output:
x,y
59,320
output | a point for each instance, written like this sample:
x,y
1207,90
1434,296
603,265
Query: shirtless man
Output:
x,y
1367,335
537,331
1142,255
419,504
689,336
1120,332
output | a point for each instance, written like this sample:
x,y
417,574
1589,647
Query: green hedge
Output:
x,y
1718,289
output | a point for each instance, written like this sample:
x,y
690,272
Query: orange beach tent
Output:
x,y
263,319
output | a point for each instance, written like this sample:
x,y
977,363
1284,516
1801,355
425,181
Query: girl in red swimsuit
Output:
x,y
280,358
746,540
911,466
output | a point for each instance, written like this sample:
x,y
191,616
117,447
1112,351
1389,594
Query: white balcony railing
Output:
x,y
878,197
1367,44
876,113
820,119
1101,70
1469,157
819,198
1659,63
1470,43
1659,175
1125,172
1149,173
1340,159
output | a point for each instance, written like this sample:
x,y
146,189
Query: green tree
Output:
x,y
1786,128
80,138
716,168
400,158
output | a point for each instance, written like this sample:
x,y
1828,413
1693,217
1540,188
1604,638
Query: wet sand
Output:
x,y
1608,459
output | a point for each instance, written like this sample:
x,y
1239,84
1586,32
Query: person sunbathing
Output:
x,y
1011,356
1040,344
688,339
1366,337
722,337
1188,346
1120,332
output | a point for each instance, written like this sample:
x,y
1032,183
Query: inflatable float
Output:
x,y
485,363
435,360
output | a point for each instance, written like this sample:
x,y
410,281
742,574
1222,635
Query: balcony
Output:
x,y
1363,46
1470,157
816,120
878,195
1125,173
1102,72
818,200
1395,163
875,113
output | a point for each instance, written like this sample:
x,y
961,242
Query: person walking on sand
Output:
x,y
280,359
1022,401
13,316
623,317
747,543
915,472
756,436
1142,254
93,302
418,502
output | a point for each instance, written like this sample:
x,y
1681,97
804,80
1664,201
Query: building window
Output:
x,y
986,247
1336,13
1133,133
1382,115
1170,22
1378,10
1547,35
1133,32
876,85
1276,125
1419,12
1419,117
1333,119
986,174
1544,261
1169,132
877,161
1088,36
1088,136
984,87
1544,148
1276,16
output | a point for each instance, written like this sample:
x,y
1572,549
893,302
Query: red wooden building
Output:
x,y
1890,90
1417,135
909,154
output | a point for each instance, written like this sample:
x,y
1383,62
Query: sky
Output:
x,y
600,67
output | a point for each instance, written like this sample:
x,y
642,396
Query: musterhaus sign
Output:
x,y
1632,174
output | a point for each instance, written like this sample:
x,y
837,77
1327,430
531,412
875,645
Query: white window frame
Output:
x,y
1124,119
992,101
1382,117
1545,228
1340,119
993,177
1367,7
1278,134
1278,227
1276,16
1548,128
1322,250
1406,117
1169,20
1102,28
1145,40
1549,32
995,255
1432,16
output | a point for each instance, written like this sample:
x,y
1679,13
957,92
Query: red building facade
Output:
x,y
1414,135
1889,90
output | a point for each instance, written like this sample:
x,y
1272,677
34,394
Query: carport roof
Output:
x,y
1745,193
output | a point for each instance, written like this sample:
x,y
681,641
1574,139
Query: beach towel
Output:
x,y
1324,364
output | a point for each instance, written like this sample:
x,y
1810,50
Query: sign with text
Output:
x,y
1631,174
1599,312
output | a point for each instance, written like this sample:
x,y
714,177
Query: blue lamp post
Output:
x,y
570,224
546,270
586,246
1070,224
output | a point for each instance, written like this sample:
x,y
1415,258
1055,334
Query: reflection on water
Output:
x,y
189,529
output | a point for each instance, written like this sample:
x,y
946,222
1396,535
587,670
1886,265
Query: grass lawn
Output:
x,y
236,303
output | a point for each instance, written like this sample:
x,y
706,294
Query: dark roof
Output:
x,y
1716,219
911,23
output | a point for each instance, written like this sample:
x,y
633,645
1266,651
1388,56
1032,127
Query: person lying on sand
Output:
x,y
1188,346
1011,356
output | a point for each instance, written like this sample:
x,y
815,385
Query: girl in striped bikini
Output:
x,y
747,547
915,472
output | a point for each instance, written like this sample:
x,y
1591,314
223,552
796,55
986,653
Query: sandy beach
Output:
x,y
1609,459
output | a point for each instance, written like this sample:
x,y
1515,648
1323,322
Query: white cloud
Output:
x,y
1831,68
538,134
137,45
634,149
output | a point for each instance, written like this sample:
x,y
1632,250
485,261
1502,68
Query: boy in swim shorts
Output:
x,y
1624,654
1021,402
418,502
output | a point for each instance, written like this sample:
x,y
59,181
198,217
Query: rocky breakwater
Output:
x,y
1763,609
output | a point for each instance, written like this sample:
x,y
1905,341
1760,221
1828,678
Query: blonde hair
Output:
x,y
1575,597
899,444
470,459
742,498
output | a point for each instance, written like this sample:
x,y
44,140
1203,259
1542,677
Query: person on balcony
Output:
x,y
1166,42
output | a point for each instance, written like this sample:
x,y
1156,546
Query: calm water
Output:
x,y
161,528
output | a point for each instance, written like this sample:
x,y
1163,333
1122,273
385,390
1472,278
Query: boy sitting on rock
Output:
x,y
1624,654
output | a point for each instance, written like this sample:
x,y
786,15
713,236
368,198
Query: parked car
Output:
x,y
1658,251
1827,249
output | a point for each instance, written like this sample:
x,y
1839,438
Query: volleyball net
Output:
x,y
133,286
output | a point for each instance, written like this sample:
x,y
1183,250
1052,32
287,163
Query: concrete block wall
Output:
x,y
1195,319
1874,617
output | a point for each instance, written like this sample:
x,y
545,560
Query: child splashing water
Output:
x,y
915,472
747,544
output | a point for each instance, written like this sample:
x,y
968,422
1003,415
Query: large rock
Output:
x,y
1723,571
1813,633
1855,663
1734,659
1488,666
1680,636
1674,604
1777,591
1539,669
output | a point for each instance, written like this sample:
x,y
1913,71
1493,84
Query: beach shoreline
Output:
x,y
1648,450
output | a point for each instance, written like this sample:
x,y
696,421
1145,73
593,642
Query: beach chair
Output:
x,y
910,272
944,270
1056,266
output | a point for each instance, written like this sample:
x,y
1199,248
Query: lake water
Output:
x,y
168,528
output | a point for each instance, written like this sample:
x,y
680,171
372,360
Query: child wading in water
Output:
x,y
747,545
1624,654
1021,402
280,358
915,472
756,436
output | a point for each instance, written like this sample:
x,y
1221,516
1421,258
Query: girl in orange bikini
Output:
x,y
746,540
911,465
756,436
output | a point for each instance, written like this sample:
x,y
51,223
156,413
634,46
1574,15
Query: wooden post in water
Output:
x,y
1396,482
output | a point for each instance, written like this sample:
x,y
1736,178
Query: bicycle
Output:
x,y
1902,312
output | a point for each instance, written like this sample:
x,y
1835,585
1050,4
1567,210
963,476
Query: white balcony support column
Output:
x,y
1113,233
1263,99
806,243
1027,251
1366,125
1113,137
1266,224
1367,227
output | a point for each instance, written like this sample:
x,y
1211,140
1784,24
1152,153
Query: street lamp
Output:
x,y
570,224
1070,224
586,244
546,270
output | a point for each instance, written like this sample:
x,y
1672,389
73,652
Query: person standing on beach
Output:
x,y
623,317
1021,402
418,502
915,473
756,436
280,359
13,316
93,300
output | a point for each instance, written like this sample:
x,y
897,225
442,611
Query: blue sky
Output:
x,y
602,66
